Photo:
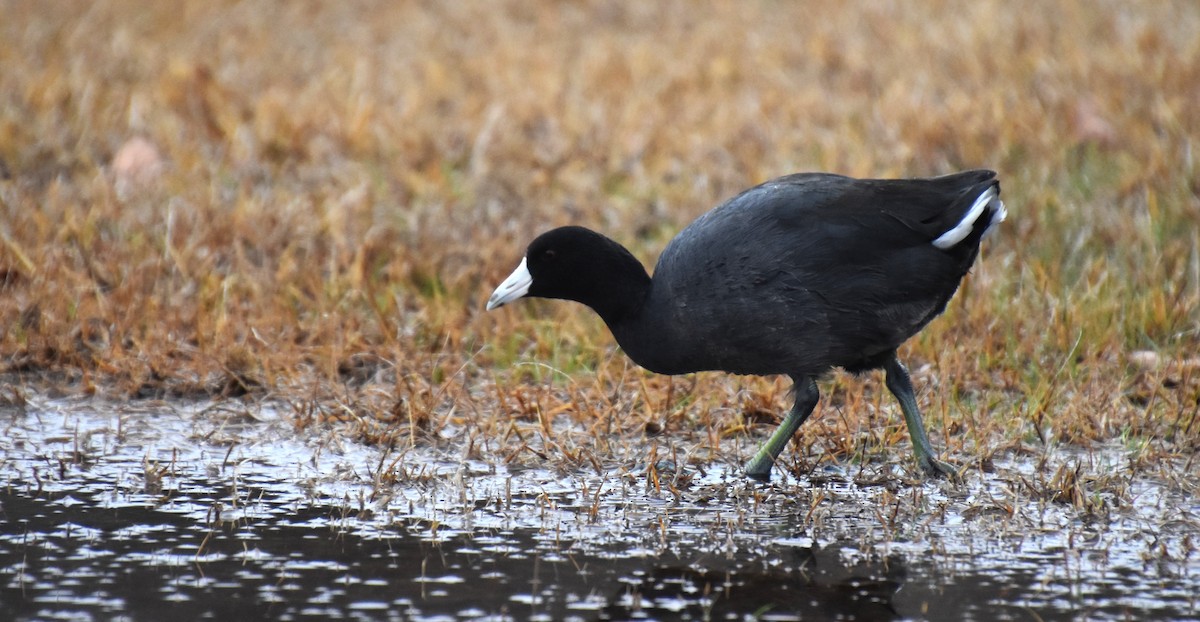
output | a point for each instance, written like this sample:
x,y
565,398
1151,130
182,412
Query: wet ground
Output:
x,y
158,511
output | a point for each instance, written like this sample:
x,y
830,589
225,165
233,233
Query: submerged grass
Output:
x,y
309,203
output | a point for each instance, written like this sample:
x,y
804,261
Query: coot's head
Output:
x,y
574,263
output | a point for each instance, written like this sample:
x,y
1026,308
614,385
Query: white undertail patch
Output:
x,y
988,202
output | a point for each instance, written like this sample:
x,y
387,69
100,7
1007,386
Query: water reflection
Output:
x,y
823,590
77,557
139,514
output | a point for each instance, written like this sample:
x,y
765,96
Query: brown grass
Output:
x,y
310,202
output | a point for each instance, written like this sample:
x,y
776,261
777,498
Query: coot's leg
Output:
x,y
899,383
806,399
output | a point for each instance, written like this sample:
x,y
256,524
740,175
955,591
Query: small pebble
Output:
x,y
1144,360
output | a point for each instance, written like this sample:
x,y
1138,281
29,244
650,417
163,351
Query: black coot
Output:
x,y
796,276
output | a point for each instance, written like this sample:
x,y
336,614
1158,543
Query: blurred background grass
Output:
x,y
311,201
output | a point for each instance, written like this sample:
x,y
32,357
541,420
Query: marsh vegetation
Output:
x,y
300,209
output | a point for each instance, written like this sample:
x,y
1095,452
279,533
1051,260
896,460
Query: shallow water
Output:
x,y
141,513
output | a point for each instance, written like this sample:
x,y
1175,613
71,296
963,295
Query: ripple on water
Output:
x,y
126,512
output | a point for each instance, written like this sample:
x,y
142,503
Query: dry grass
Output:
x,y
310,202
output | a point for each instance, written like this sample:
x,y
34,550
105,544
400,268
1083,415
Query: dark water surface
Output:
x,y
163,512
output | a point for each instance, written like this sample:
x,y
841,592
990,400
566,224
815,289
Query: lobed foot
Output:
x,y
759,470
935,468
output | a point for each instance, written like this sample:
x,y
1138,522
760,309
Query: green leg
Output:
x,y
899,383
806,399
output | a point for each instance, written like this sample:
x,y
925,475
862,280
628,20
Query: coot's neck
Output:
x,y
629,310
616,286
618,294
